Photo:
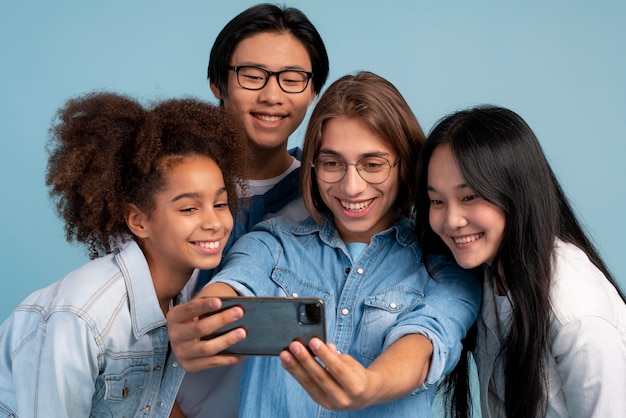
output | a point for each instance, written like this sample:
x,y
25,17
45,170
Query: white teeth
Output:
x,y
470,238
267,118
356,206
211,245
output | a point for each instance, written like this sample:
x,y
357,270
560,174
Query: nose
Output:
x,y
455,217
352,183
271,93
211,221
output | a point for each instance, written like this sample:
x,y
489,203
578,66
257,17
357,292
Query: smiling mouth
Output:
x,y
469,238
209,245
355,207
267,118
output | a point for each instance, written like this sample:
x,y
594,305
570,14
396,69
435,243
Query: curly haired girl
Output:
x,y
150,192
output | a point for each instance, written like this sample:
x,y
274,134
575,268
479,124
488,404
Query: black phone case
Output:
x,y
272,323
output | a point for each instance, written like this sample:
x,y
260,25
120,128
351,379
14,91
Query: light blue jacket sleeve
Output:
x,y
54,361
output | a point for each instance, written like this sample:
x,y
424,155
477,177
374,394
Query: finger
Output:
x,y
293,366
312,368
189,340
186,322
194,308
345,378
201,354
203,363
291,363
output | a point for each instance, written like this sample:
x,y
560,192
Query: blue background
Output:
x,y
560,64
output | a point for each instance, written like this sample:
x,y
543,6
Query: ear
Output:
x,y
313,96
136,220
216,91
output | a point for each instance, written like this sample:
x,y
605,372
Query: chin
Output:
x,y
468,264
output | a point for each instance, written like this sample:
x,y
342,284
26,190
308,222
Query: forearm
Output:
x,y
217,290
402,368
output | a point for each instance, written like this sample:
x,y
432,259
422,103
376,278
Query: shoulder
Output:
x,y
92,286
273,232
282,225
579,289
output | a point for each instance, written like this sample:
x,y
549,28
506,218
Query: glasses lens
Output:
x,y
374,169
330,169
293,81
252,78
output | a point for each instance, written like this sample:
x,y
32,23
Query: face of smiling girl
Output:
x,y
191,221
360,209
469,225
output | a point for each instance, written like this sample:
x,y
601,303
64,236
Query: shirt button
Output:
x,y
345,311
393,305
360,270
175,363
295,295
160,404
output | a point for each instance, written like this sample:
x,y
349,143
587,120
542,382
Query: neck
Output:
x,y
168,286
168,282
269,163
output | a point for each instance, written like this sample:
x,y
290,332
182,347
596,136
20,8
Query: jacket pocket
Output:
x,y
381,311
119,387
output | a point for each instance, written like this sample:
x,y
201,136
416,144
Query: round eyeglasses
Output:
x,y
251,77
373,170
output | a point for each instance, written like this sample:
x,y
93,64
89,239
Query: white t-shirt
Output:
x,y
294,210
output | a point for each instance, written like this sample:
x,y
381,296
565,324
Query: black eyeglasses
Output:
x,y
251,77
374,170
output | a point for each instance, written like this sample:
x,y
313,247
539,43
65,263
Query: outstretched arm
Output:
x,y
342,383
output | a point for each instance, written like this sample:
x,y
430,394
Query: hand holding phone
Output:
x,y
271,323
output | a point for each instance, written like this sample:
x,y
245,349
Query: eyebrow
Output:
x,y
367,154
284,68
458,187
195,195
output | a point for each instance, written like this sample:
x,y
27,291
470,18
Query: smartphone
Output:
x,y
272,323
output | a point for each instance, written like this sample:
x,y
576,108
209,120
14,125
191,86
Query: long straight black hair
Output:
x,y
501,159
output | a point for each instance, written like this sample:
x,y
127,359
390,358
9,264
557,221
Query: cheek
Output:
x,y
434,219
324,190
227,221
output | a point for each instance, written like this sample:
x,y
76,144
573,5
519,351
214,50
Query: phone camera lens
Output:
x,y
310,313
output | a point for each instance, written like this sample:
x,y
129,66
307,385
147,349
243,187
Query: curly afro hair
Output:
x,y
106,151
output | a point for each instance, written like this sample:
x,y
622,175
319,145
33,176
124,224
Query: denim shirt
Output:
x,y
371,302
92,344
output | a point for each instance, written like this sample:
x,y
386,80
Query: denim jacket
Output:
x,y
371,302
92,344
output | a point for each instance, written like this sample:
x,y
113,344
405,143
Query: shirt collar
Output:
x,y
145,311
328,233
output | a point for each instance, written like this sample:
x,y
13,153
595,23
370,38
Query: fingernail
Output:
x,y
285,359
315,343
237,313
239,334
213,303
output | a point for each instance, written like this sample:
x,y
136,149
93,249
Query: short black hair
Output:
x,y
267,18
